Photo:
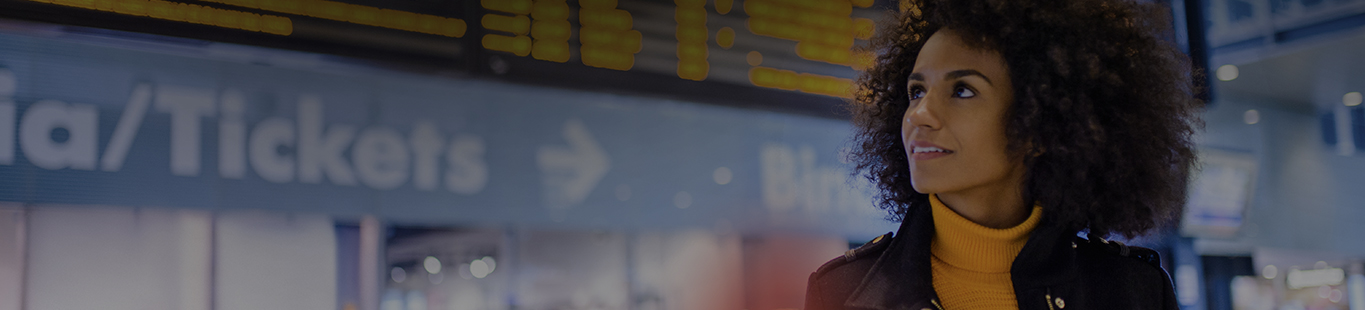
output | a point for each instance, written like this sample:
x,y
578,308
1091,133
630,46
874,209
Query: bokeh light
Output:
x,y
1351,99
432,265
1227,73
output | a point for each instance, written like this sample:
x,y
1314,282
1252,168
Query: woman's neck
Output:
x,y
990,206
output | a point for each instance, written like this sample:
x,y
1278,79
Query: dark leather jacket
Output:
x,y
1056,270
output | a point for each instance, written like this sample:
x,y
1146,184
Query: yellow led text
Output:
x,y
189,13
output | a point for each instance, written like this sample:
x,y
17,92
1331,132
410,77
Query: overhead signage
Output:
x,y
749,49
83,123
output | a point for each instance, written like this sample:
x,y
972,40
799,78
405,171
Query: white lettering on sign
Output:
x,y
381,158
792,179
56,135
426,149
468,173
117,150
270,142
186,106
570,173
320,151
778,166
232,135
59,135
38,132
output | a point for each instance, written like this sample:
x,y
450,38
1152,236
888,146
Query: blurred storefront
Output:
x,y
1278,225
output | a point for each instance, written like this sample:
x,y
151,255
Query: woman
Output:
x,y
999,130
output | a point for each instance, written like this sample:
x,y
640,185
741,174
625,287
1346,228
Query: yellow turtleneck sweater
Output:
x,y
971,263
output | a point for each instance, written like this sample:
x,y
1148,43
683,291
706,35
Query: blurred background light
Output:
x,y
398,274
492,264
465,272
722,175
432,264
1251,117
1297,279
1227,73
479,268
1351,99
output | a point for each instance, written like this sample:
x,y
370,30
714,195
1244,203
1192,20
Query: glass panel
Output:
x,y
117,258
275,261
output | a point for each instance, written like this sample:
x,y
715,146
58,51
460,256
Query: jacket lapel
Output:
x,y
1048,258
1046,268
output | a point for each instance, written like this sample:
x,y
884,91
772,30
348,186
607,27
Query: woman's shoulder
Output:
x,y
863,254
1112,271
1106,254
1098,273
834,281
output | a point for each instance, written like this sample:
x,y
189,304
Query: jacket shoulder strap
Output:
x,y
869,249
1146,255
1150,256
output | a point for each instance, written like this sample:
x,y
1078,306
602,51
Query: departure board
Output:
x,y
792,45
789,52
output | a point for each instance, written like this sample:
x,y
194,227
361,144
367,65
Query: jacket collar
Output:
x,y
901,278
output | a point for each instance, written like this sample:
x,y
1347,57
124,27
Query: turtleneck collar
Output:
x,y
967,245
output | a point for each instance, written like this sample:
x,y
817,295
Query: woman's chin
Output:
x,y
924,188
926,182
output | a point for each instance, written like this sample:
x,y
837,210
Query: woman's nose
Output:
x,y
922,113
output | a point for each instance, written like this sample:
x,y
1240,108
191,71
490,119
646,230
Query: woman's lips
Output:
x,y
921,150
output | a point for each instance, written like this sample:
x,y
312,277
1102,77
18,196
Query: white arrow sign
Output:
x,y
570,173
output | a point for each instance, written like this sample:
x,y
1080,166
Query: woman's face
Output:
x,y
954,129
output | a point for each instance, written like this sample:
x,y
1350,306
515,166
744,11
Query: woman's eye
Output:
x,y
916,93
963,92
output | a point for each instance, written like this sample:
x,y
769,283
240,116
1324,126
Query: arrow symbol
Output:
x,y
570,173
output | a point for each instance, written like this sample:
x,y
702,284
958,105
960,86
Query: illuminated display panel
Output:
x,y
413,31
233,16
737,50
804,46
189,13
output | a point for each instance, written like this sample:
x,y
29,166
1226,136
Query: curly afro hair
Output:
x,y
1103,112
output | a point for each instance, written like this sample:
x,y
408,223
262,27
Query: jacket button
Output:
x,y
1060,303
1073,245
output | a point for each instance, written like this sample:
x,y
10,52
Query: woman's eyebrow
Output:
x,y
965,73
953,75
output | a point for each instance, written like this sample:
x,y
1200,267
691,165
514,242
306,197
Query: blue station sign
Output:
x,y
85,121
